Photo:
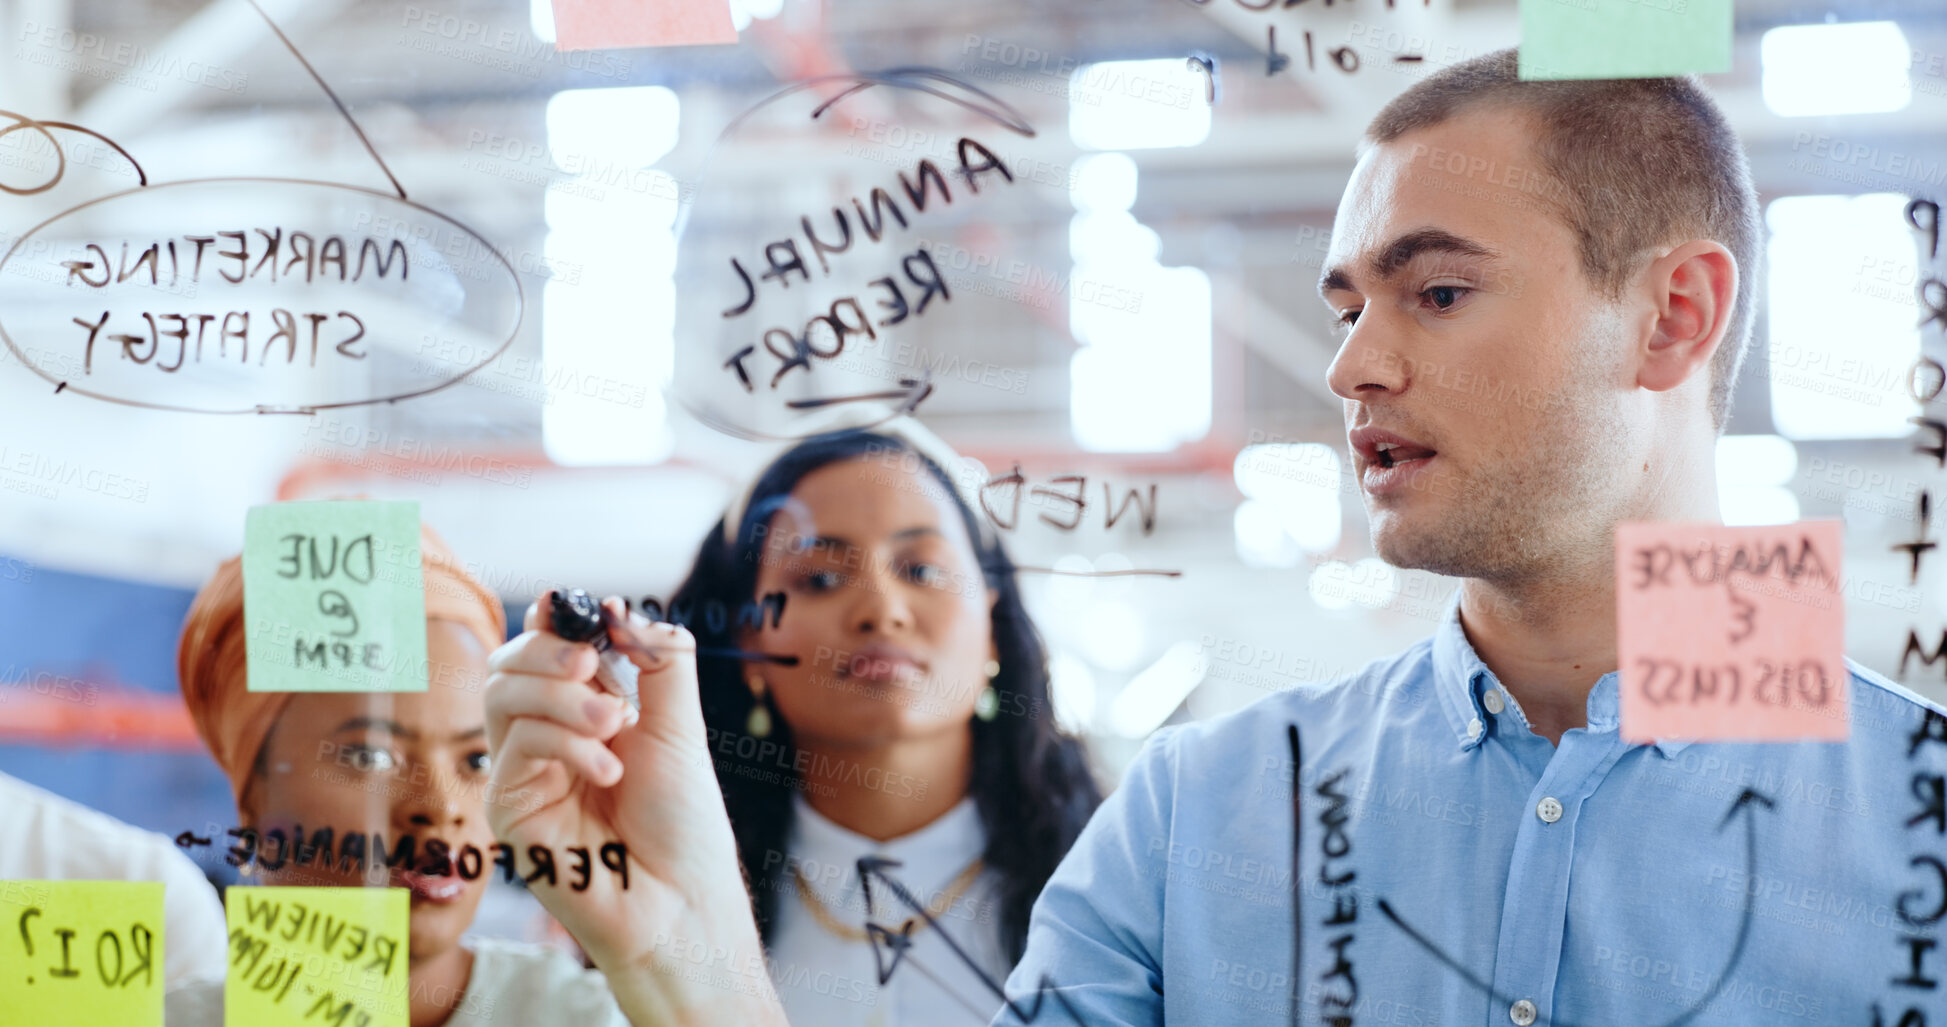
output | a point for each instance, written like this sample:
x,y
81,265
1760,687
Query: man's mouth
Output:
x,y
1388,460
1391,454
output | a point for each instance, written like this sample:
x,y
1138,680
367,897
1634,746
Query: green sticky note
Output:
x,y
1624,38
81,952
333,600
316,955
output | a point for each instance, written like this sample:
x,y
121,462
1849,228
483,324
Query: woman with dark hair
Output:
x,y
916,724
884,693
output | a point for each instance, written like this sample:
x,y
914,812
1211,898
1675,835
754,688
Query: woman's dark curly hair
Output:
x,y
1030,780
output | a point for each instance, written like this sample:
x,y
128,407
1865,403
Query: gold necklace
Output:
x,y
941,903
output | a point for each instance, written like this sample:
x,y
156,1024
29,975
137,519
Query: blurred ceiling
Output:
x,y
201,89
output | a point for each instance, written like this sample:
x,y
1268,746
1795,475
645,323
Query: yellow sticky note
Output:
x,y
316,956
81,952
1731,633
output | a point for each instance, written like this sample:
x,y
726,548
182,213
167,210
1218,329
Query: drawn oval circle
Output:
x,y
380,276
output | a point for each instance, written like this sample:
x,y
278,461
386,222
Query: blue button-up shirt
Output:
x,y
1456,868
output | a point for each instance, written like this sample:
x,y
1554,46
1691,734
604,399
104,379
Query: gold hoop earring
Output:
x,y
758,724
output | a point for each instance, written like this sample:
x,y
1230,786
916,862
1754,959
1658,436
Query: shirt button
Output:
x,y
1474,728
1549,811
1492,700
1522,1012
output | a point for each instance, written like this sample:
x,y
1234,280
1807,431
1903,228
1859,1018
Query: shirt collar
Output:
x,y
1461,680
939,850
1457,676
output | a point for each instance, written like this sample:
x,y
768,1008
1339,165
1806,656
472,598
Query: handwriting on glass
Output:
x,y
1924,381
823,336
355,851
992,492
234,257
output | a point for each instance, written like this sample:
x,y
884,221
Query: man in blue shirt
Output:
x,y
1545,290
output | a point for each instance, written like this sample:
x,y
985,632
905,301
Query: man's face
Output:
x,y
1485,379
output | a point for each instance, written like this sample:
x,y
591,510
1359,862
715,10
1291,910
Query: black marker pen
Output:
x,y
577,617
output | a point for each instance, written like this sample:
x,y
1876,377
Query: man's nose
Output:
x,y
1365,365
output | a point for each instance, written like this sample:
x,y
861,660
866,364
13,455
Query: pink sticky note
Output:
x,y
616,24
1731,634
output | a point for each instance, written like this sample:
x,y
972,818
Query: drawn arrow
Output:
x,y
910,392
899,941
1748,799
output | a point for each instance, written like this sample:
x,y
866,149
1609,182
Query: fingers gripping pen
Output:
x,y
577,617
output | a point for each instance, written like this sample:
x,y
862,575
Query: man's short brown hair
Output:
x,y
1630,164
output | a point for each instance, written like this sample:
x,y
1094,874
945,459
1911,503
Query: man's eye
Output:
x,y
1444,296
1346,319
479,762
364,757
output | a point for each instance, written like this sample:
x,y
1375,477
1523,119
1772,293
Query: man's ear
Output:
x,y
1694,288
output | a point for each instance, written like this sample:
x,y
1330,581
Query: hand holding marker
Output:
x,y
584,771
576,616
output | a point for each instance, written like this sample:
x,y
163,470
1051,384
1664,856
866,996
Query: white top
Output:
x,y
44,837
513,984
827,981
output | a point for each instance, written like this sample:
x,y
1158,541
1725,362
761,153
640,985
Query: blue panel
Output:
x,y
108,632
70,623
